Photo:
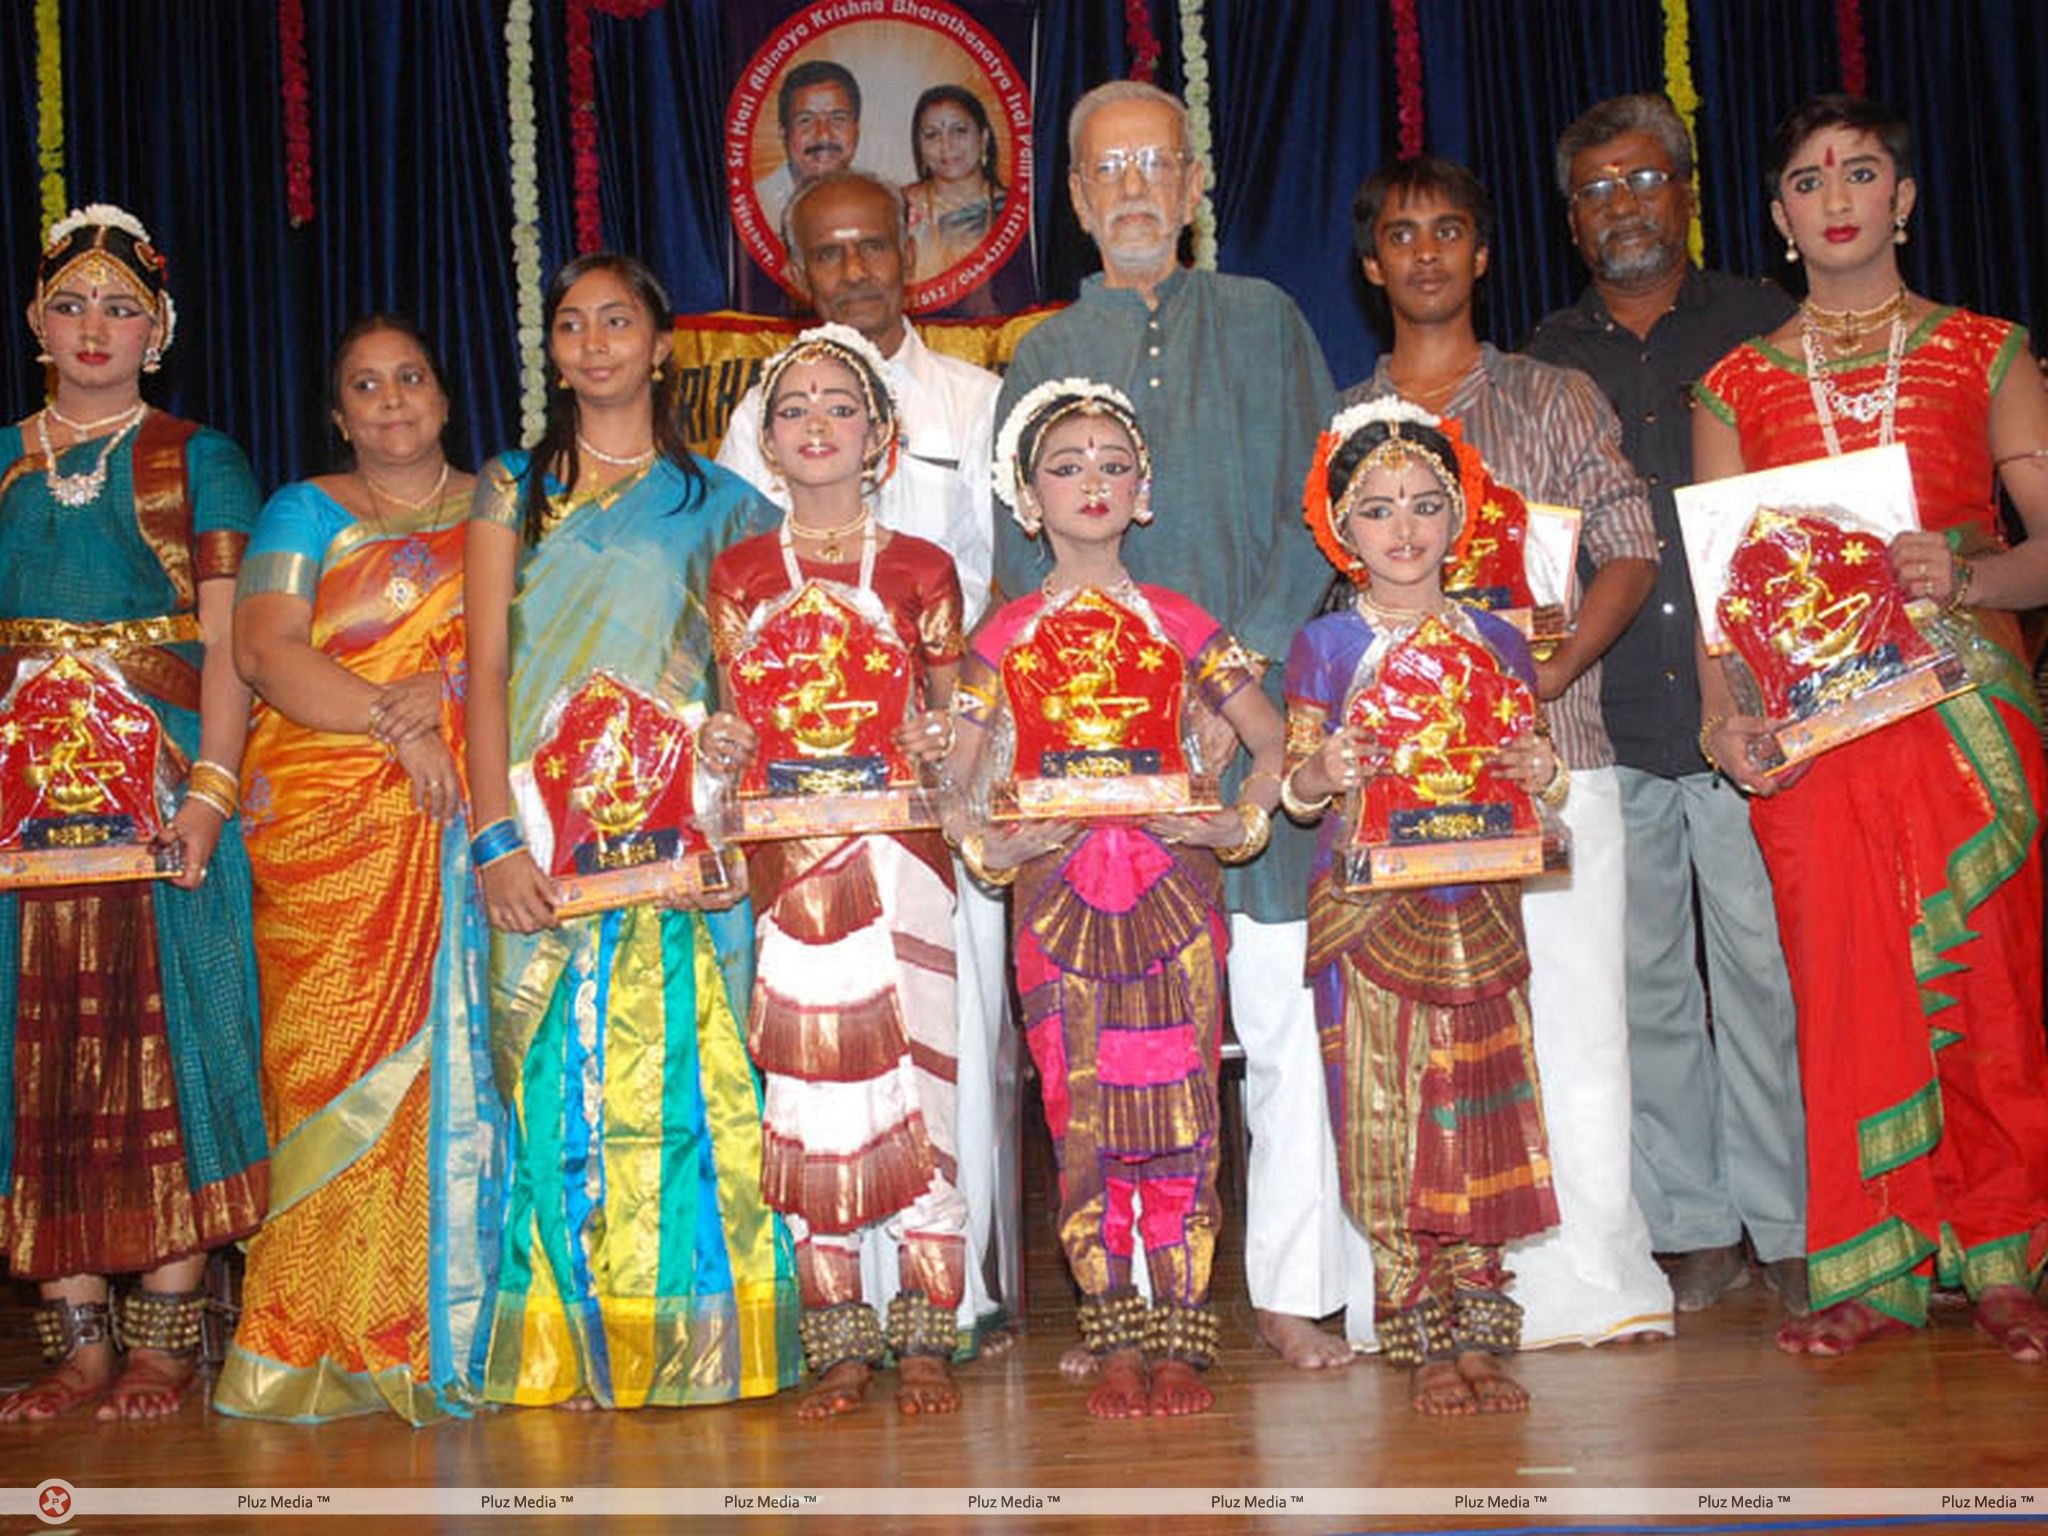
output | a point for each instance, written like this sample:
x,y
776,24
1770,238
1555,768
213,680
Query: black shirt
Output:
x,y
1649,687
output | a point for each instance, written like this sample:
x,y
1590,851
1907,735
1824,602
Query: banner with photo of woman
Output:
x,y
934,97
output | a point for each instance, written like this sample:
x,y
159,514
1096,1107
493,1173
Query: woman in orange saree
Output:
x,y
365,1287
1906,863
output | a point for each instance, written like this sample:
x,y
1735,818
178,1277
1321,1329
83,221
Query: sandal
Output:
x,y
64,1328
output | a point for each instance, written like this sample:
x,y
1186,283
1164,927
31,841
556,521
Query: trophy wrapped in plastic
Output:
x,y
87,780
1796,594
824,679
1096,700
1439,705
608,803
1516,559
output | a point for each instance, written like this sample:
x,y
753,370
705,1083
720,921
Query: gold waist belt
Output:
x,y
123,635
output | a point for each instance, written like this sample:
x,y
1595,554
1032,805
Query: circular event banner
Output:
x,y
914,91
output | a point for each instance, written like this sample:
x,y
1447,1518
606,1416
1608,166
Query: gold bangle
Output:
x,y
1258,829
972,852
1961,573
214,785
1707,728
1298,808
213,802
1552,794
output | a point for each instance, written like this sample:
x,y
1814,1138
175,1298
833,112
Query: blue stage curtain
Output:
x,y
172,109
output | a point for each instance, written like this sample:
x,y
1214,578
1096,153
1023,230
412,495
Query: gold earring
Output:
x,y
1791,249
152,359
657,370
1899,230
44,356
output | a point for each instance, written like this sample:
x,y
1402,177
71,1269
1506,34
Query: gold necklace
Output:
x,y
82,490
385,493
1382,617
828,538
1842,327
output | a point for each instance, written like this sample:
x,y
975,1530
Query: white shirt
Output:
x,y
942,487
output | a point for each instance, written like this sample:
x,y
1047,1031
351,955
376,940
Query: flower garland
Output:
x,y
583,127
1855,61
1408,77
50,111
523,140
298,117
1142,41
583,109
1194,69
1685,99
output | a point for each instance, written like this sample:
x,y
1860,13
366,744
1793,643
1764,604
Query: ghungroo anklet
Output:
x,y
1418,1334
833,1335
1175,1332
1487,1320
167,1322
1113,1322
918,1326
65,1327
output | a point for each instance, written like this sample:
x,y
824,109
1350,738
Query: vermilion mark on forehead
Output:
x,y
1828,159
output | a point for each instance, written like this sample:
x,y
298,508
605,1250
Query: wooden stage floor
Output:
x,y
1716,1408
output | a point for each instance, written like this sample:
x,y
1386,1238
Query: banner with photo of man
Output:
x,y
932,96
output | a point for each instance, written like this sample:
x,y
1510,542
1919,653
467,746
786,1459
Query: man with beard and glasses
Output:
x,y
818,109
851,255
1231,391
1717,1123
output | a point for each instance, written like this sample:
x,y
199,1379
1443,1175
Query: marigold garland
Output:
x,y
1194,68
1679,87
1855,59
297,91
1408,77
523,141
1142,41
50,111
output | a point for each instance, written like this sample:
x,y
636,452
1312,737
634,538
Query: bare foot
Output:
x,y
1635,1337
1493,1389
152,1385
838,1391
1836,1330
1124,1391
1000,1342
576,1405
926,1387
1178,1390
1299,1342
80,1379
1438,1389
1078,1363
2011,1316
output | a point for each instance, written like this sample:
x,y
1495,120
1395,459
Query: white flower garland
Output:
x,y
1006,470
523,142
1194,68
1386,408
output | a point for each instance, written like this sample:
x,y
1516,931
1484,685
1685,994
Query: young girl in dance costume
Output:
x,y
1118,927
1422,995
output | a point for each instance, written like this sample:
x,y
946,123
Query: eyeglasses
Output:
x,y
1642,184
1154,163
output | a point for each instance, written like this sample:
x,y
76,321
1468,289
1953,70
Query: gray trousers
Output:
x,y
1718,1134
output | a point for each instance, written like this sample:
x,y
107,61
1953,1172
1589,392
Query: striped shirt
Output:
x,y
1550,434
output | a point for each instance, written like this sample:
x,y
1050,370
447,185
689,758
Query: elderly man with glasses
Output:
x,y
1231,390
1716,1134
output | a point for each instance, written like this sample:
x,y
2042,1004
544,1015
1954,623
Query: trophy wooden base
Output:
x,y
771,818
21,868
713,877
1369,867
1087,798
1863,711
